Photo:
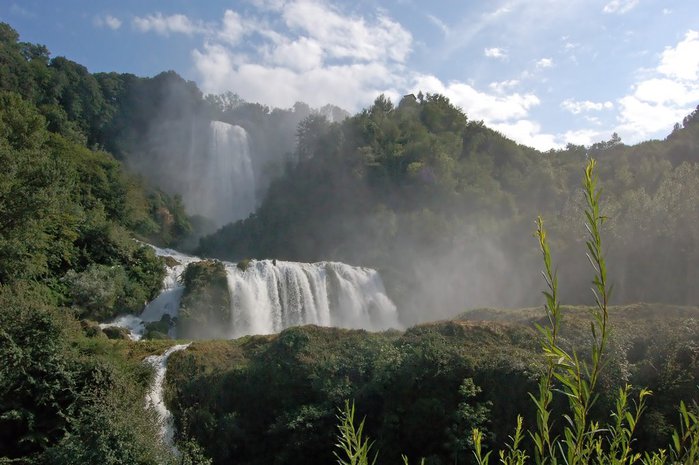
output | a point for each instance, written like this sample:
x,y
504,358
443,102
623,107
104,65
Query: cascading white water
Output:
x,y
154,397
167,302
272,295
221,182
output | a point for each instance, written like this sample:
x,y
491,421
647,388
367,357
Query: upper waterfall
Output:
x,y
221,181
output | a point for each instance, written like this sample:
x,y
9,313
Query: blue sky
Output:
x,y
543,72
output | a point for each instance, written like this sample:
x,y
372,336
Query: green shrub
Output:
x,y
97,290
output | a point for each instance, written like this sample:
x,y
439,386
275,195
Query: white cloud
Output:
x,y
166,25
495,52
528,133
664,90
108,21
233,27
584,137
682,61
641,119
620,6
323,56
568,46
348,86
300,55
544,63
348,37
658,101
268,5
577,107
479,105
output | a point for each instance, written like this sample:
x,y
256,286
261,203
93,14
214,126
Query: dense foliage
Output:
x,y
68,218
64,398
273,399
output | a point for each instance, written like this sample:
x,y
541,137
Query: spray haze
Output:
x,y
440,205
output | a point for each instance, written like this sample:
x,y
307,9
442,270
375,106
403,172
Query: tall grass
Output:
x,y
582,440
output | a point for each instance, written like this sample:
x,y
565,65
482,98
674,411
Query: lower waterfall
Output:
x,y
271,295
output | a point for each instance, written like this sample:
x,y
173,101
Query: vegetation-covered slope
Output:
x,y
274,399
68,219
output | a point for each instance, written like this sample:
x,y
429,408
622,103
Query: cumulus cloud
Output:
x,y
108,21
495,52
584,137
348,37
166,25
577,107
348,85
620,6
529,133
479,105
682,61
233,27
322,55
640,119
659,101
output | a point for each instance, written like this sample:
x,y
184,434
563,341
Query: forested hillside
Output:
x,y
443,207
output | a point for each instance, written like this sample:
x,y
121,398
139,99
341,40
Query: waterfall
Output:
x,y
214,173
222,182
270,296
154,397
168,302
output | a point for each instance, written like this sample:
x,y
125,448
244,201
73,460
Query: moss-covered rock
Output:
x,y
205,308
243,264
171,261
116,332
159,329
